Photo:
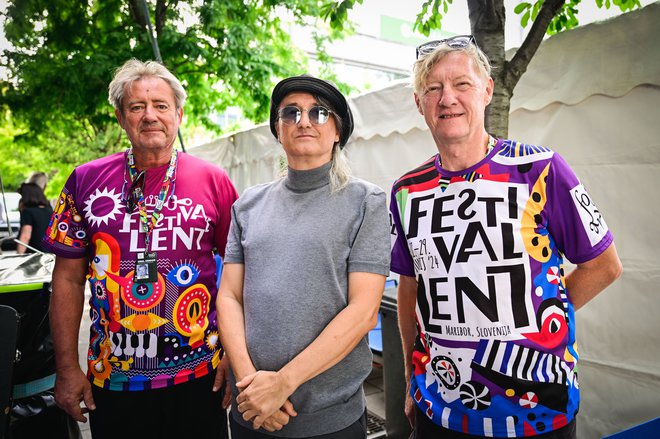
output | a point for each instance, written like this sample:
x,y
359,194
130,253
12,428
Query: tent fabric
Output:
x,y
387,111
613,145
593,95
609,57
249,157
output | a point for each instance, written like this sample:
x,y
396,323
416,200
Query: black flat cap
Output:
x,y
317,87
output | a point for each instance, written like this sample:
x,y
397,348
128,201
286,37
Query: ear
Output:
x,y
418,104
489,90
180,115
119,117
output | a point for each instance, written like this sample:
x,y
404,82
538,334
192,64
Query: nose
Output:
x,y
149,113
304,119
447,96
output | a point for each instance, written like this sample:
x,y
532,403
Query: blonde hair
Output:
x,y
423,66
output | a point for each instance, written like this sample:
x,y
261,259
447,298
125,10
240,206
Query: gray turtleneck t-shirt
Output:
x,y
298,242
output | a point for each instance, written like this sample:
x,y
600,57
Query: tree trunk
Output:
x,y
135,8
487,19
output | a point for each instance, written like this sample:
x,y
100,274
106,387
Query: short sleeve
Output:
x,y
226,195
574,221
402,262
234,248
370,250
66,234
27,218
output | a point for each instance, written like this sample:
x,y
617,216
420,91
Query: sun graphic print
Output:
x,y
102,206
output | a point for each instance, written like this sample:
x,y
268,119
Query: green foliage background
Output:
x,y
54,112
53,102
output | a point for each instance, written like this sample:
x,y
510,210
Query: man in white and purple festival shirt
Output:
x,y
480,232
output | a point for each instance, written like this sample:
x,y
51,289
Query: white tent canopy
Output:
x,y
593,95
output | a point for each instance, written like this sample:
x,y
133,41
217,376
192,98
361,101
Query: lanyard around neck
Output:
x,y
148,224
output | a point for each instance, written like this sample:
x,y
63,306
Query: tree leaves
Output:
x,y
426,20
336,13
225,52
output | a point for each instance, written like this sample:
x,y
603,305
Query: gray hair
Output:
x,y
340,172
423,66
134,70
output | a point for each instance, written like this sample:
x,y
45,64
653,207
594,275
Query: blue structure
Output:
x,y
646,430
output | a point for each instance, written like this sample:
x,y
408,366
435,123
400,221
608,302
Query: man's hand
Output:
x,y
66,307
261,395
222,379
71,387
407,301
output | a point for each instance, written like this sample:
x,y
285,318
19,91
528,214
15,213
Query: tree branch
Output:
x,y
135,8
161,10
487,23
518,64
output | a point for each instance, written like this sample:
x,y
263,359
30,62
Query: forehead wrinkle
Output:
x,y
440,78
148,86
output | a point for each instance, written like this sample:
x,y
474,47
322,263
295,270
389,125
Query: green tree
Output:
x,y
226,53
487,21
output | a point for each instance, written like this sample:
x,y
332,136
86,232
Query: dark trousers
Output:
x,y
357,430
427,429
189,410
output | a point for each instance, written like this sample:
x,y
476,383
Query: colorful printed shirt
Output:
x,y
496,352
155,334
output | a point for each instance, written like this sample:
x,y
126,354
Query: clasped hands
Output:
x,y
263,400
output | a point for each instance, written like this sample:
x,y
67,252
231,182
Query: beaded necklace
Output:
x,y
147,223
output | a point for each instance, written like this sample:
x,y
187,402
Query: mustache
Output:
x,y
150,125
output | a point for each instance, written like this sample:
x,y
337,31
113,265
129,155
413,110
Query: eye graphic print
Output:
x,y
553,327
100,264
183,275
99,291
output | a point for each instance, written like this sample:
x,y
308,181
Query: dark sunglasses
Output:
x,y
135,192
457,42
291,115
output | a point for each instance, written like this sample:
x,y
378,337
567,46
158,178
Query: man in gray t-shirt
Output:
x,y
305,268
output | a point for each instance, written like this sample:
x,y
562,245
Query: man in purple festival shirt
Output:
x,y
480,230
141,226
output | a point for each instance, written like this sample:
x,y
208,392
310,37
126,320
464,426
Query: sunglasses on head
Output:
x,y
135,192
291,115
457,42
